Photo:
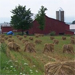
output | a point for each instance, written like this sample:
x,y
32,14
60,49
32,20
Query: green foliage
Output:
x,y
67,34
21,18
73,22
3,48
40,17
52,33
6,65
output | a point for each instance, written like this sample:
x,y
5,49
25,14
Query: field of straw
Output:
x,y
32,55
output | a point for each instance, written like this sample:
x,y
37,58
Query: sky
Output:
x,y
52,6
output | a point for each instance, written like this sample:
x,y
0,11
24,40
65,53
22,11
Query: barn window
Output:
x,y
61,33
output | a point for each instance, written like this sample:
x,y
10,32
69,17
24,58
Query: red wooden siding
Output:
x,y
6,29
50,25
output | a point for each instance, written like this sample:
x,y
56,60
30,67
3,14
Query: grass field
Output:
x,y
22,63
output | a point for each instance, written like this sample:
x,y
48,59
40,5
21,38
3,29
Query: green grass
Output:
x,y
32,63
6,64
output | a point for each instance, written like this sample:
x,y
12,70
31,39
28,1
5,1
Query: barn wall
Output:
x,y
50,25
6,29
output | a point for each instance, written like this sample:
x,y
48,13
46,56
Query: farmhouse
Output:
x,y
51,24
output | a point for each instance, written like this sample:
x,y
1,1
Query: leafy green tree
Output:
x,y
52,33
40,17
21,18
73,22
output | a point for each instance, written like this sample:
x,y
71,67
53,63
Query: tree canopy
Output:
x,y
40,17
73,22
21,18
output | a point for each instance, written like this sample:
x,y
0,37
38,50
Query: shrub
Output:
x,y
52,33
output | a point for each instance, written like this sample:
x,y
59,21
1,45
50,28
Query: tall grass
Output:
x,y
3,47
6,64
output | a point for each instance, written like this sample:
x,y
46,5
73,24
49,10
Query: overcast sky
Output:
x,y
52,5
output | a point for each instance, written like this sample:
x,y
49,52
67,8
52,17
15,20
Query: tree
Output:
x,y
21,18
73,22
40,17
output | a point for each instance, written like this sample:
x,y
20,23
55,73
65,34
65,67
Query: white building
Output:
x,y
72,27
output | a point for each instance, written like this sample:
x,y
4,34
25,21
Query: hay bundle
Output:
x,y
36,35
17,36
68,48
24,41
55,41
60,68
25,36
63,38
31,38
20,38
10,36
51,37
72,41
5,38
41,35
10,40
38,41
2,35
48,47
29,47
72,37
13,46
2,40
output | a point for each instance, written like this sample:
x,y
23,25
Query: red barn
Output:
x,y
6,29
50,25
